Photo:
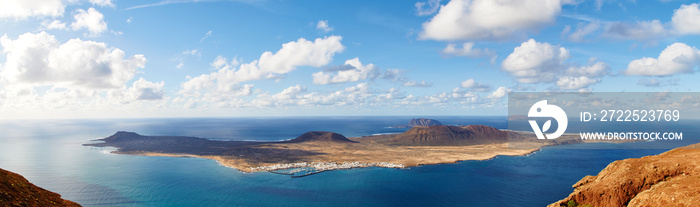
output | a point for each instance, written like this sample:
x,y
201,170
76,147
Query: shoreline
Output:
x,y
330,165
318,151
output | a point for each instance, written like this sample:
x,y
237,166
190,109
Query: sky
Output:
x,y
209,58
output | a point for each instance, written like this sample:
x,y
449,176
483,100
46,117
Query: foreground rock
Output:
x,y
15,190
668,179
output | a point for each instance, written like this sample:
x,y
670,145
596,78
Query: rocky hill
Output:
x,y
321,136
450,135
668,179
15,190
420,122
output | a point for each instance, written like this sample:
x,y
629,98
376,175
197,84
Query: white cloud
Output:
x,y
357,72
393,75
55,24
417,84
223,86
683,22
431,8
287,97
206,35
467,50
572,83
145,90
489,20
300,53
475,86
500,92
183,55
193,52
392,94
42,77
359,94
92,20
129,20
40,59
649,82
686,19
22,9
534,62
103,3
675,59
593,69
222,62
642,30
583,30
323,26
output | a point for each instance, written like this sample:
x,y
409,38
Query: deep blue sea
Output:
x,y
50,154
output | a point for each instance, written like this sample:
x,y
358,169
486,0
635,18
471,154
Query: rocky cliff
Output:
x,y
668,179
15,190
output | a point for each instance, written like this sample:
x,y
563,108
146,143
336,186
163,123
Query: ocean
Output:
x,y
49,153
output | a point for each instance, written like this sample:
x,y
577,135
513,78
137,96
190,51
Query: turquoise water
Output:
x,y
49,154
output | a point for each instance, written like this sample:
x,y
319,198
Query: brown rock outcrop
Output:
x,y
15,190
668,179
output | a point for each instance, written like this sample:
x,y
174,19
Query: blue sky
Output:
x,y
118,58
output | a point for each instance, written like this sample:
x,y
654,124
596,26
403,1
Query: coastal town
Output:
x,y
316,167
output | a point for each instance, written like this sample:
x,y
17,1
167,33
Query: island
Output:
x,y
668,179
319,151
15,190
420,122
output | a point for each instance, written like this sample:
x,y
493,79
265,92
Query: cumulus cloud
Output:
x,y
417,84
103,3
500,92
356,72
224,85
298,53
535,62
683,22
685,19
42,76
287,97
359,94
467,50
92,20
675,59
427,8
475,86
489,20
323,26
145,90
40,59
570,83
31,8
